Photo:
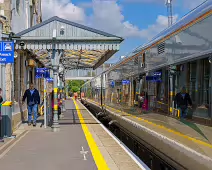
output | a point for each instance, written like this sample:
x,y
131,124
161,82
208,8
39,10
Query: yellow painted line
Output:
x,y
165,128
98,158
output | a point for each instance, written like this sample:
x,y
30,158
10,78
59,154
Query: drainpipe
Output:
x,y
27,13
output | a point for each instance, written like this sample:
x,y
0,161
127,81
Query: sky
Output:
x,y
137,21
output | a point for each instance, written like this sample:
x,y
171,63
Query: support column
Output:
x,y
55,125
45,104
55,65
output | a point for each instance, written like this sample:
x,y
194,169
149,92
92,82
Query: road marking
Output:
x,y
83,152
98,158
10,147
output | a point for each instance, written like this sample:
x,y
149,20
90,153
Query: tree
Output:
x,y
74,85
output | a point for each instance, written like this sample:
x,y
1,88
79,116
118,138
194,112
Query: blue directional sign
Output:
x,y
49,80
42,73
6,52
112,84
125,82
157,73
153,78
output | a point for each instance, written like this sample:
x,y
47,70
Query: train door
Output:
x,y
136,91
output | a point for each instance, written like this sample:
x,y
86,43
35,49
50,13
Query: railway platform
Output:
x,y
188,144
82,144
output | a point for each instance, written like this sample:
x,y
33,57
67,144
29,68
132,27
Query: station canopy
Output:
x,y
82,46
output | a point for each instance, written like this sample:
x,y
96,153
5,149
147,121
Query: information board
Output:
x,y
6,52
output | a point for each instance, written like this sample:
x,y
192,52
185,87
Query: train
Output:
x,y
148,79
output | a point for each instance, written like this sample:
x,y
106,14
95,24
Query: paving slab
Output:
x,y
42,149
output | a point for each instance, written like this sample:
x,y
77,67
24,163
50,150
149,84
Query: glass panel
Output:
x,y
202,104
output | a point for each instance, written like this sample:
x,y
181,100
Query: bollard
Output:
x,y
6,111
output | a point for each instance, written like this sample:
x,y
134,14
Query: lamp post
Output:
x,y
55,66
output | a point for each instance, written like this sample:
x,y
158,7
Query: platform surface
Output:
x,y
41,149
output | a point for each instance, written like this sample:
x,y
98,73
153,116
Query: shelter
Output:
x,y
82,47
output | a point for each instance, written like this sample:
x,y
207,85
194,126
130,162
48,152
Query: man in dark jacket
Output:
x,y
33,100
182,100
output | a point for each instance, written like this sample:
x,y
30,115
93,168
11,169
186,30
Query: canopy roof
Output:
x,y
83,47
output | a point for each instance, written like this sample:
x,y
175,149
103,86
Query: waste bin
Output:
x,y
6,111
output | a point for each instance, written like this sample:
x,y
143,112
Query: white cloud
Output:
x,y
160,24
191,4
63,9
107,16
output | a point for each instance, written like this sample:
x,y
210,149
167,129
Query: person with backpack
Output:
x,y
33,100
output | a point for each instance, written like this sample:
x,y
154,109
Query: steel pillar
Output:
x,y
55,65
45,104
55,125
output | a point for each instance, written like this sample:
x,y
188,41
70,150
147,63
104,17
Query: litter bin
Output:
x,y
6,111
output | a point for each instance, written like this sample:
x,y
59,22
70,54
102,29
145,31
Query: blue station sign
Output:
x,y
112,84
125,82
6,52
49,80
157,74
42,73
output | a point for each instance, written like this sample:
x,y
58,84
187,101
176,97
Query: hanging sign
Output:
x,y
6,52
157,73
49,80
125,82
112,84
42,73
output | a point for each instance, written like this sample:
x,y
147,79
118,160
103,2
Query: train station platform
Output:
x,y
83,143
176,138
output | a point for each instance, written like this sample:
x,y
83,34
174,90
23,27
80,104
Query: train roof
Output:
x,y
195,13
188,18
200,10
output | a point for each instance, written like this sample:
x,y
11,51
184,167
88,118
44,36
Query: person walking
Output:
x,y
182,100
75,95
33,100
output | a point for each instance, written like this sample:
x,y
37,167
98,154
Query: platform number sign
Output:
x,y
6,52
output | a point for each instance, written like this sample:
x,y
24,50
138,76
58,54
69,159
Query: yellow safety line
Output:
x,y
165,128
98,158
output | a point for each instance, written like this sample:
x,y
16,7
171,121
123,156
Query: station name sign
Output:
x,y
155,78
6,52
125,82
42,73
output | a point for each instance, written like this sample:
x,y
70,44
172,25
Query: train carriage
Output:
x,y
179,56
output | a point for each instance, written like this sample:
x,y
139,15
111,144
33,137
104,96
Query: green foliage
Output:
x,y
74,85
